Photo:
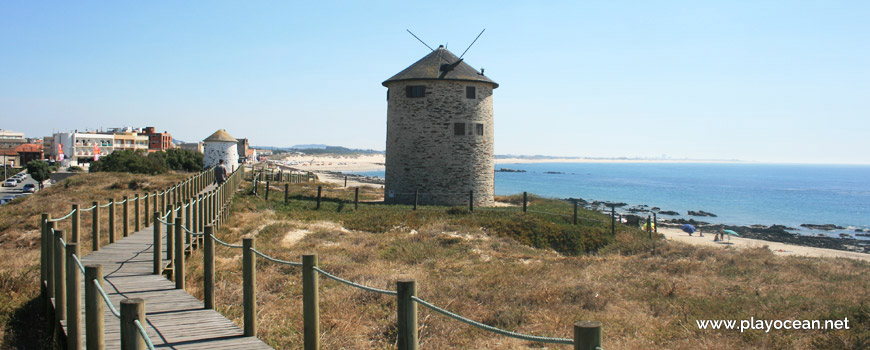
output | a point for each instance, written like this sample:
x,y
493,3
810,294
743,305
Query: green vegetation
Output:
x,y
39,171
151,163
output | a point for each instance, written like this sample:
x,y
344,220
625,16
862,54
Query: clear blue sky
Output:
x,y
770,81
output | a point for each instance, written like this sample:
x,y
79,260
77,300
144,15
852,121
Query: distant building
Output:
x,y
75,148
29,151
10,157
11,139
129,140
440,132
48,148
196,147
243,147
221,145
157,141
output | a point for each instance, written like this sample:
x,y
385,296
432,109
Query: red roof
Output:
x,y
28,148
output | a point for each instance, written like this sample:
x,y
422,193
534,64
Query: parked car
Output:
x,y
6,199
10,183
30,188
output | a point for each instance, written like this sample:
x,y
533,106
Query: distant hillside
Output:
x,y
319,146
320,149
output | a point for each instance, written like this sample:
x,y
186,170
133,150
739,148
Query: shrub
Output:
x,y
152,163
39,170
75,169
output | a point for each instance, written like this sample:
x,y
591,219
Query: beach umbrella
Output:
x,y
731,232
649,227
688,228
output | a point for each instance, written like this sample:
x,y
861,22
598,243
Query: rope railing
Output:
x,y
89,209
63,217
79,263
144,334
105,296
491,328
190,232
225,244
107,205
164,222
354,284
291,263
121,202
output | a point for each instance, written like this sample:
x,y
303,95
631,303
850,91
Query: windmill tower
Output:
x,y
440,132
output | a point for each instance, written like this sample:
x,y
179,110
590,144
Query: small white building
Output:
x,y
80,148
221,145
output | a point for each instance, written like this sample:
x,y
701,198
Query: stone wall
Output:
x,y
215,151
423,152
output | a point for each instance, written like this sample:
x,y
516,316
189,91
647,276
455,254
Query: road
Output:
x,y
19,189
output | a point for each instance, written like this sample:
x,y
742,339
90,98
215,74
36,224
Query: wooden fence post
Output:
x,y
208,269
525,201
407,314
188,211
613,220
50,245
112,221
178,261
310,302
158,245
170,242
59,275
249,274
136,222
587,335
356,198
286,193
575,212
147,212
471,201
73,298
95,227
268,188
94,322
649,226
345,181
319,190
126,216
416,198
132,310
43,257
76,224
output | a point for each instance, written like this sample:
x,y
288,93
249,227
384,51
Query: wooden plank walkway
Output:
x,y
175,319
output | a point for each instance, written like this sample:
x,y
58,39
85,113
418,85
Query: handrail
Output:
x,y
106,299
63,217
121,202
225,243
144,334
107,205
491,328
164,222
291,263
79,263
354,284
89,209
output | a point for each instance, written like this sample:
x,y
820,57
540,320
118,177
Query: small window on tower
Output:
x,y
415,91
470,92
478,129
459,129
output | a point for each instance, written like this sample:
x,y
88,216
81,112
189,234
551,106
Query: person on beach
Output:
x,y
220,173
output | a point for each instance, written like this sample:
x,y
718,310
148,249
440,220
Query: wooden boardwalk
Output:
x,y
175,319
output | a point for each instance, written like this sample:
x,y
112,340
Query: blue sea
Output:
x,y
739,193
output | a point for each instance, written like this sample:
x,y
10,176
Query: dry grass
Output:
x,y
645,300
20,323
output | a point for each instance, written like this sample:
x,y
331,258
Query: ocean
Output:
x,y
738,193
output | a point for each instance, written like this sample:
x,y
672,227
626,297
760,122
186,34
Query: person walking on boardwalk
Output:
x,y
220,173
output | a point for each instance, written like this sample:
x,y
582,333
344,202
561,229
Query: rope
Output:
x,y
190,232
353,284
64,217
143,334
89,209
107,205
164,222
79,263
121,202
106,299
62,242
491,328
225,244
291,263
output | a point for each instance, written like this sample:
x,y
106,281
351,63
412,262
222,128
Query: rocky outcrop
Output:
x,y
701,213
826,227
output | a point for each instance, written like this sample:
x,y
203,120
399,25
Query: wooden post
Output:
x,y
655,223
613,220
525,201
43,254
267,189
170,242
587,335
178,261
407,314
112,220
471,201
310,302
136,222
132,310
59,275
95,227
649,226
147,212
187,220
94,323
286,193
356,198
73,298
208,268
76,224
575,212
249,275
50,245
319,190
345,181
416,198
158,245
126,216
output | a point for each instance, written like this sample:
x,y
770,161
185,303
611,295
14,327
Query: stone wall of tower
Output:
x,y
215,151
423,152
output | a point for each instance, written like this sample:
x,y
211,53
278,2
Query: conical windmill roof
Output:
x,y
220,136
431,67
